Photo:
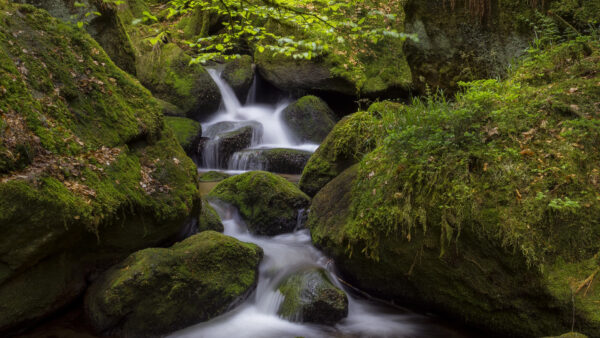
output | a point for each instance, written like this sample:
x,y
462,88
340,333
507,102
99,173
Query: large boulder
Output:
x,y
310,297
310,119
88,171
484,209
267,202
157,291
165,69
277,160
106,28
350,139
300,77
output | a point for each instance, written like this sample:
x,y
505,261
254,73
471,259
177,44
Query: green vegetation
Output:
x,y
84,151
352,138
267,202
185,130
157,291
470,205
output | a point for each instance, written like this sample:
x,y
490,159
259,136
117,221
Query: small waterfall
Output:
x,y
251,98
230,100
220,151
284,255
248,160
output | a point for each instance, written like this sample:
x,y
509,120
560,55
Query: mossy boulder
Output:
x,y
267,202
350,139
187,131
88,171
300,77
310,297
309,118
239,73
226,138
277,160
209,219
107,28
465,207
165,69
157,291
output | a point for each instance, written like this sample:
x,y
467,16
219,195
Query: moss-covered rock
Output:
x,y
276,160
350,139
88,171
267,202
485,208
165,69
300,77
187,131
239,74
309,118
311,297
209,219
157,291
107,28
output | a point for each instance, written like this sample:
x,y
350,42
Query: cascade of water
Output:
x,y
251,98
284,255
272,133
247,160
230,100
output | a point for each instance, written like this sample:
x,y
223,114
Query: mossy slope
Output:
x,y
487,208
88,172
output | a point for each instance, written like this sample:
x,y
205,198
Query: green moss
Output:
x,y
486,205
185,130
350,139
158,291
269,203
99,174
165,69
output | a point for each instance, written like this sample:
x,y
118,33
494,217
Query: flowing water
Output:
x,y
269,131
283,255
287,253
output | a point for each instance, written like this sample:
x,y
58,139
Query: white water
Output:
x,y
275,133
284,254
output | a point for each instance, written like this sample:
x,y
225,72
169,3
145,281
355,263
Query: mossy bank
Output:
x,y
486,208
88,171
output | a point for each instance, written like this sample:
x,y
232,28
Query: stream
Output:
x,y
287,253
